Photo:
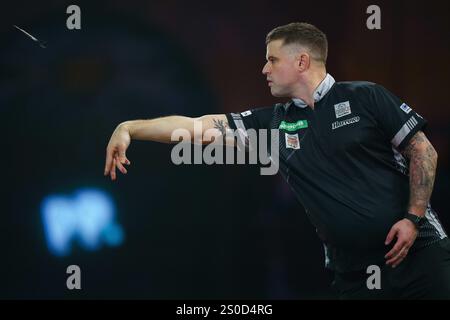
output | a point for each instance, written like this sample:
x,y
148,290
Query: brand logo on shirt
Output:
x,y
293,126
246,113
405,108
292,141
342,109
345,122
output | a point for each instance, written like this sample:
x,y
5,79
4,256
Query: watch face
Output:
x,y
421,221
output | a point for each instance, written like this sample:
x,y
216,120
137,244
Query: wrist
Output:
x,y
126,126
416,220
418,210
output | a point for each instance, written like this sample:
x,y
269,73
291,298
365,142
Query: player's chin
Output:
x,y
273,92
277,93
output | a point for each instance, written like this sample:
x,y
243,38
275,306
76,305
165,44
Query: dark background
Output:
x,y
191,232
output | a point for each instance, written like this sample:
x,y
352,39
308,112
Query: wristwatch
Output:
x,y
415,219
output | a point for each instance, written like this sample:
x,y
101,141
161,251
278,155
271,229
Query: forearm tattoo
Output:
x,y
221,125
422,170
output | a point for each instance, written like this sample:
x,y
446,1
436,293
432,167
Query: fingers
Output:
x,y
405,235
113,170
396,260
108,162
116,164
113,161
390,236
395,250
397,253
119,165
123,157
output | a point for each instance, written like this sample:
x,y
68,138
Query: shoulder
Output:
x,y
273,109
357,86
364,91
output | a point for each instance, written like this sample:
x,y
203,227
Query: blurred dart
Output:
x,y
42,44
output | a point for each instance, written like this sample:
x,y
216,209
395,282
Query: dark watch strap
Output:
x,y
417,220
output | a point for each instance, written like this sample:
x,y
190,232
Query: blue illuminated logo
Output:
x,y
87,217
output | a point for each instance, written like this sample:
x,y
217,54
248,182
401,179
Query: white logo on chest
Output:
x,y
342,109
338,124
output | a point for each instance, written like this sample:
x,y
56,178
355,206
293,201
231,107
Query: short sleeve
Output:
x,y
255,119
395,118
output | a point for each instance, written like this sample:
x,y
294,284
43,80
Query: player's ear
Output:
x,y
303,61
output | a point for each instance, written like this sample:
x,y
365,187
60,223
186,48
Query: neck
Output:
x,y
305,90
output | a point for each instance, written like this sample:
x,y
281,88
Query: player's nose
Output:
x,y
265,69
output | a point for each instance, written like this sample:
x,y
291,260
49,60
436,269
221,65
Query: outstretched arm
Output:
x,y
160,130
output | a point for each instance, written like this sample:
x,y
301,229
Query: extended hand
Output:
x,y
406,233
115,152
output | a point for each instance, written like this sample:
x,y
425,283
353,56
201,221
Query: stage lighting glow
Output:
x,y
87,217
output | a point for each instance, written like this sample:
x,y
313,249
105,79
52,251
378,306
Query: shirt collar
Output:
x,y
319,93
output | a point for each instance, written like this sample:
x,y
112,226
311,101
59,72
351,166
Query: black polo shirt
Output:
x,y
343,164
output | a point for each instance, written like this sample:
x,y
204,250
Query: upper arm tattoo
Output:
x,y
417,142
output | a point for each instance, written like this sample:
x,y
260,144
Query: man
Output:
x,y
356,158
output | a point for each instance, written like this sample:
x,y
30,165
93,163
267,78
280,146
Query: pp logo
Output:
x,y
87,217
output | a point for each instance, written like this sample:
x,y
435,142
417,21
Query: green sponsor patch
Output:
x,y
293,126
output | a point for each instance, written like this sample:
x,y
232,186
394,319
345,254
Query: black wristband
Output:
x,y
415,219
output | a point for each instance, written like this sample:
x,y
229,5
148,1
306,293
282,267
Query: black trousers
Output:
x,y
424,274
